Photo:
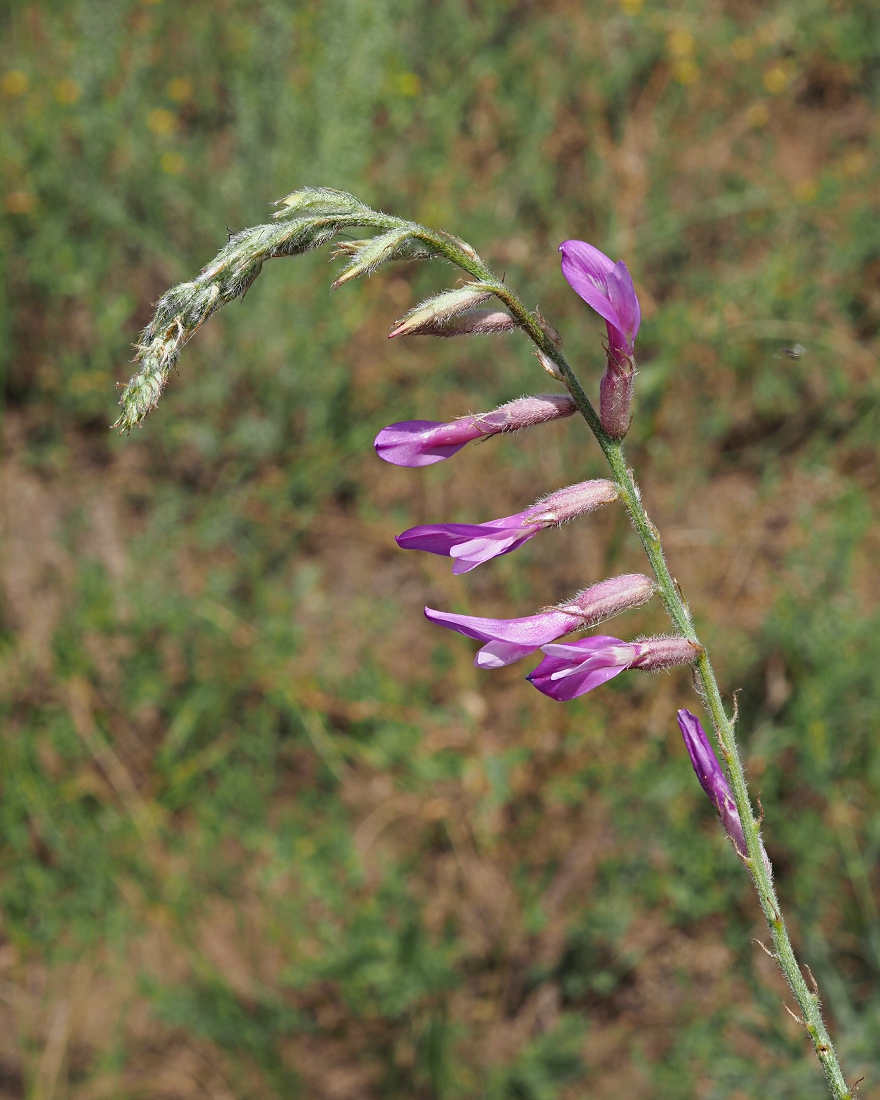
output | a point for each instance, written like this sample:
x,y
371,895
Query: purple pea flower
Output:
x,y
570,669
470,544
508,640
608,288
424,442
711,777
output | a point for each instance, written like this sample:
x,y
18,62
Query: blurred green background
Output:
x,y
264,831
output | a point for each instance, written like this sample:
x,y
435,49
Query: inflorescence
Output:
x,y
569,668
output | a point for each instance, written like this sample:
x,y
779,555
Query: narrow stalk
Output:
x,y
757,862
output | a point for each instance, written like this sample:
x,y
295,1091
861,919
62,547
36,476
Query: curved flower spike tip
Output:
x,y
606,287
424,442
470,544
574,668
508,640
711,777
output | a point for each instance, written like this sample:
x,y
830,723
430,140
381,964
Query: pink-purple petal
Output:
x,y
532,630
570,688
607,288
470,544
416,443
587,257
712,778
499,654
625,301
597,645
572,669
488,545
438,538
508,639
468,555
596,298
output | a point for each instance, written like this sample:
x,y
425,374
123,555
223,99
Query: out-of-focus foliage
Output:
x,y
264,831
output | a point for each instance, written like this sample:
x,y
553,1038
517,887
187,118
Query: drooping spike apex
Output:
x,y
424,442
470,544
508,640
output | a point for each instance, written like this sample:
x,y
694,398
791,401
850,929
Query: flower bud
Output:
x,y
318,201
437,311
474,322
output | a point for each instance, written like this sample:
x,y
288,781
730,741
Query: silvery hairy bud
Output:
x,y
473,322
433,315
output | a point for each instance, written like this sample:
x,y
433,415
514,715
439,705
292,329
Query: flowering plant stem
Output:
x,y
315,218
676,607
757,863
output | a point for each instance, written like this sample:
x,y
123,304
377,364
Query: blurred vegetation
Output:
x,y
264,831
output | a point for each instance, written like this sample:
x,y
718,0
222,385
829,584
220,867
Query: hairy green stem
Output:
x,y
314,218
